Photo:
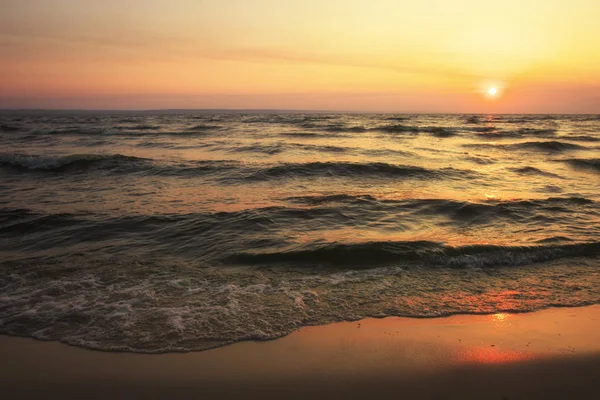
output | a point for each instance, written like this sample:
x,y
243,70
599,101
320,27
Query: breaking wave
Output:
x,y
424,252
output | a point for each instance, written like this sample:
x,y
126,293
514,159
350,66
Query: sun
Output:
x,y
492,91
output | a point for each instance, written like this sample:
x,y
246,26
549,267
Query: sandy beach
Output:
x,y
550,354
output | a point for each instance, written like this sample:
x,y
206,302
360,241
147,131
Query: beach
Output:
x,y
549,354
332,199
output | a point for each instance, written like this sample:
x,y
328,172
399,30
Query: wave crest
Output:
x,y
350,169
424,252
62,163
592,163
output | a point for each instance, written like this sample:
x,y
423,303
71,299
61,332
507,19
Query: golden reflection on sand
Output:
x,y
500,317
492,355
458,340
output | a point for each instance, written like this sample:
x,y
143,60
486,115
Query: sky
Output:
x,y
542,56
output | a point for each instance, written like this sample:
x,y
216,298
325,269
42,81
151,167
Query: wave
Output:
x,y
484,129
286,119
75,130
300,134
521,119
204,127
121,130
361,198
433,130
166,305
317,134
551,146
406,118
319,126
334,210
591,118
283,147
9,128
494,133
429,253
452,208
556,239
480,160
582,138
277,148
544,146
119,164
337,128
164,145
26,162
253,148
333,198
264,119
227,170
523,211
533,171
351,170
473,120
592,163
397,128
143,127
535,132
366,209
25,221
440,132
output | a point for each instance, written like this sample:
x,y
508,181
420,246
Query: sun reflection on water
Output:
x,y
500,317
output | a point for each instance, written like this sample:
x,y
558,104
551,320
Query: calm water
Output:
x,y
183,231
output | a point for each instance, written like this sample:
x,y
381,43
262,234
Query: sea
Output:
x,y
173,231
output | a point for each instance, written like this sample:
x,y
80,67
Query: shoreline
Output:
x,y
360,321
552,353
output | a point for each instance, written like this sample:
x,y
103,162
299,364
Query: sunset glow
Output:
x,y
429,56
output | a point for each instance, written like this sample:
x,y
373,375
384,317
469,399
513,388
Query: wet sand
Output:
x,y
550,354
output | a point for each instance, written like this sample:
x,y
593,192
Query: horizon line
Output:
x,y
267,110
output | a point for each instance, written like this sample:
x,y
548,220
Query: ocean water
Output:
x,y
177,231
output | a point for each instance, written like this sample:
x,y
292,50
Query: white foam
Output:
x,y
108,308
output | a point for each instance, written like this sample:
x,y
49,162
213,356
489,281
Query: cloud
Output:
x,y
405,66
203,46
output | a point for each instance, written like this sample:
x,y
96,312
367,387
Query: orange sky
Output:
x,y
378,55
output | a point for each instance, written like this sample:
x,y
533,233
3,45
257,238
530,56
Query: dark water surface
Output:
x,y
180,231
